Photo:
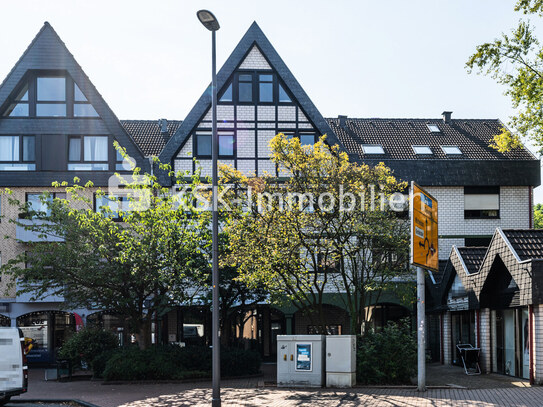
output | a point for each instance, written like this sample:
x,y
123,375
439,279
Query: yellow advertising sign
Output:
x,y
424,235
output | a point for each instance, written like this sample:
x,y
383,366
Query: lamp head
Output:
x,y
209,21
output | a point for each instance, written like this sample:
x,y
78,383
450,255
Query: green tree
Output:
x,y
516,61
323,226
538,216
154,258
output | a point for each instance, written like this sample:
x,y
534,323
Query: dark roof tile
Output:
x,y
147,134
473,257
528,243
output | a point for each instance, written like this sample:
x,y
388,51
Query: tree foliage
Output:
x,y
538,216
296,237
516,61
156,257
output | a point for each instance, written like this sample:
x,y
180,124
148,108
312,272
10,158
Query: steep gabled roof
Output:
x,y
148,135
253,36
48,52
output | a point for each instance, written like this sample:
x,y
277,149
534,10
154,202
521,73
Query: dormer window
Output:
x,y
373,149
451,150
49,95
433,128
422,150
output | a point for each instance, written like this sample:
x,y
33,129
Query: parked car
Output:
x,y
13,368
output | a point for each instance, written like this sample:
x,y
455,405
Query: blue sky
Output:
x,y
360,58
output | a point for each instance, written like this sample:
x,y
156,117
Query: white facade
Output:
x,y
515,209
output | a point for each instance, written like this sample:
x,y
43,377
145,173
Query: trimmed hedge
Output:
x,y
175,363
85,345
388,356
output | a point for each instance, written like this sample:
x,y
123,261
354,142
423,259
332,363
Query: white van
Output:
x,y
13,369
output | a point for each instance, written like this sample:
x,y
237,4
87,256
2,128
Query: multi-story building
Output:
x,y
54,126
477,187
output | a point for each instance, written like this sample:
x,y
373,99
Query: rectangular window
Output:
x,y
265,89
35,202
29,148
245,87
373,149
481,202
203,144
9,148
50,93
95,148
17,153
327,263
307,139
112,205
88,153
226,144
423,150
51,89
74,149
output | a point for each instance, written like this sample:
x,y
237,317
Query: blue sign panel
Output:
x,y
303,356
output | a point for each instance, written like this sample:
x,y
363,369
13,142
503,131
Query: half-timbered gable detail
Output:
x,y
258,97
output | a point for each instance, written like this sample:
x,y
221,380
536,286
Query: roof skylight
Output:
x,y
451,150
373,149
422,150
433,128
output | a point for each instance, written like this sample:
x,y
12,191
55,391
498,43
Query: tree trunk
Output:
x,y
144,334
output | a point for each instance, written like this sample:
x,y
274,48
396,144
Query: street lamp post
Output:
x,y
212,24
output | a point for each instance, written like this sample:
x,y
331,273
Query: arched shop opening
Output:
x,y
48,330
381,314
5,321
336,321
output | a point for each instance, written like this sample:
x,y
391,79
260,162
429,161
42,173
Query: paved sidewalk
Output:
x,y
246,392
367,397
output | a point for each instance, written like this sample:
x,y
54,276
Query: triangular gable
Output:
x,y
252,42
48,52
501,248
456,269
255,60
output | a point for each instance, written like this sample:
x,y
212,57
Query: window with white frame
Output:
x,y
451,150
422,150
373,149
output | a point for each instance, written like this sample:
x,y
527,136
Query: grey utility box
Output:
x,y
300,360
340,360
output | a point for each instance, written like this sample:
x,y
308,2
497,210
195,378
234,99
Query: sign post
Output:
x,y
424,255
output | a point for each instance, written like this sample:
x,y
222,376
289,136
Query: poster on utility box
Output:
x,y
423,229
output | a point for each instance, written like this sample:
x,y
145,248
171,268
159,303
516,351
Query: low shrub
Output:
x,y
175,363
388,356
86,345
